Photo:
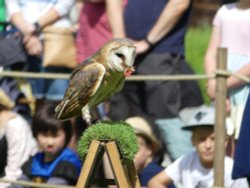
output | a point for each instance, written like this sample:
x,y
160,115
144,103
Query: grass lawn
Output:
x,y
196,43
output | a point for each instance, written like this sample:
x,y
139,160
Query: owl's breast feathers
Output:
x,y
112,82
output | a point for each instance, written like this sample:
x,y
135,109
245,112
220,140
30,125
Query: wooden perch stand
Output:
x,y
125,176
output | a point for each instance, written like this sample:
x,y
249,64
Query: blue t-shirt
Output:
x,y
39,168
66,165
141,15
149,171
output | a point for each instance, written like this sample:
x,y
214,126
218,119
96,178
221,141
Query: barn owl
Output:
x,y
97,78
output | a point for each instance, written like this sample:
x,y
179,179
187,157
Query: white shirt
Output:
x,y
33,9
188,171
234,26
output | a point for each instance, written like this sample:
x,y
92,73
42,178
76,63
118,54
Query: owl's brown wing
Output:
x,y
84,82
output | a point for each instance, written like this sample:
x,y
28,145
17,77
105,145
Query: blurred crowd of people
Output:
x,y
175,129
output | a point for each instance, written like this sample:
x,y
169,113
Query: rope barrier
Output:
x,y
230,73
32,184
18,74
169,77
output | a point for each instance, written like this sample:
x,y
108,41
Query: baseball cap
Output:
x,y
142,128
203,116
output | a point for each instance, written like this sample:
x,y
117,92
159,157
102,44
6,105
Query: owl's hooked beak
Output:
x,y
128,71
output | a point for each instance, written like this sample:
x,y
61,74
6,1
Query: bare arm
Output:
x,y
170,15
18,20
168,19
57,11
233,82
31,41
210,60
50,17
13,9
114,9
161,180
210,56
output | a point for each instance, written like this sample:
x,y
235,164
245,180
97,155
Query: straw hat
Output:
x,y
5,100
143,129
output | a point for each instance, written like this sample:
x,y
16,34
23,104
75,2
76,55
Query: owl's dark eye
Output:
x,y
121,56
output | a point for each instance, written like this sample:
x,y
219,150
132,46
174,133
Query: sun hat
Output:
x,y
142,128
5,100
203,116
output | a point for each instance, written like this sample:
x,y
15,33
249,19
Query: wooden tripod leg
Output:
x,y
88,165
133,176
116,165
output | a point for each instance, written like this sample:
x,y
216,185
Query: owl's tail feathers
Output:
x,y
60,109
66,110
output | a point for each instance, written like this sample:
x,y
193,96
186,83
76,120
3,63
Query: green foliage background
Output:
x,y
196,43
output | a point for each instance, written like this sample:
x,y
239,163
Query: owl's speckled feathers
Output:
x,y
97,78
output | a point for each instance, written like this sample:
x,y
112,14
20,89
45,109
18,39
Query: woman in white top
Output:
x,y
30,17
231,30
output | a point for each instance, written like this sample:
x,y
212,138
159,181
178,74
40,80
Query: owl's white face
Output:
x,y
121,58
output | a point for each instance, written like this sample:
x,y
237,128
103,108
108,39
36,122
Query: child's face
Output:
x,y
144,154
51,144
203,141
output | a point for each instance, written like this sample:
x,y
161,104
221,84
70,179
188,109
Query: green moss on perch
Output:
x,y
120,132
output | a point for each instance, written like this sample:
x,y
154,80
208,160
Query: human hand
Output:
x,y
33,45
141,46
211,87
228,106
28,29
74,28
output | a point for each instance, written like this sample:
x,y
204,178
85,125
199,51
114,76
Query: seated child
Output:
x,y
55,163
146,159
16,141
195,169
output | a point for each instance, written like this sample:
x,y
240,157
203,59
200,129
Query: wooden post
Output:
x,y
220,114
84,179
